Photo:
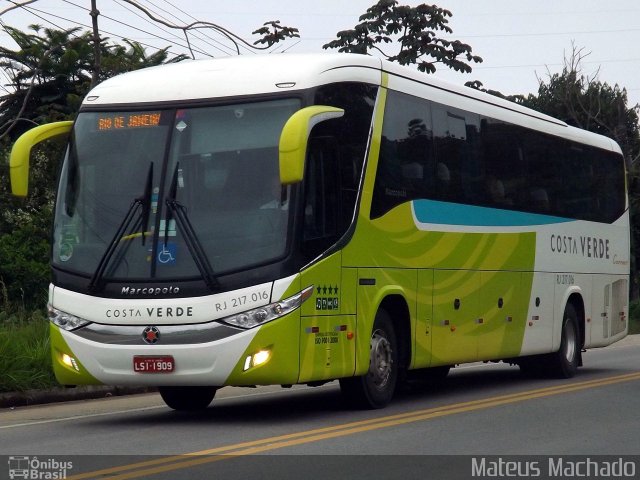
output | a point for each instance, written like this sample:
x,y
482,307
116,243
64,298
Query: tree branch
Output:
x,y
232,37
16,5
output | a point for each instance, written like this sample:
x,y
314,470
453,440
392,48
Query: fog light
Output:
x,y
258,358
261,357
70,362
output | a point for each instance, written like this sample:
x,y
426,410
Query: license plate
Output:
x,y
147,364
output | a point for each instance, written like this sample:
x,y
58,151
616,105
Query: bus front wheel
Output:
x,y
187,398
375,389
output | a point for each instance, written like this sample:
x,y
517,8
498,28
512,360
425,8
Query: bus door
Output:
x,y
326,323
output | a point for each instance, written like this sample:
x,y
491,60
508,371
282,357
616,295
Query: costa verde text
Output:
x,y
590,247
152,312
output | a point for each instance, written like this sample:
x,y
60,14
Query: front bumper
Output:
x,y
78,360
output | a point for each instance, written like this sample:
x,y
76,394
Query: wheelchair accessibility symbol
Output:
x,y
167,253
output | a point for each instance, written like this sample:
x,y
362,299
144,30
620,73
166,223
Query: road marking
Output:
x,y
175,462
143,409
77,417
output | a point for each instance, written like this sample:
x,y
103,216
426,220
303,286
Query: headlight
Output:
x,y
262,315
65,320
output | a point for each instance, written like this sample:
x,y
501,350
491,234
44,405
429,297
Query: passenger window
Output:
x,y
405,166
459,169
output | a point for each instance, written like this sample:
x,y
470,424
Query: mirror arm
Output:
x,y
21,152
294,137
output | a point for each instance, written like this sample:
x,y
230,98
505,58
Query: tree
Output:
x,y
415,29
49,73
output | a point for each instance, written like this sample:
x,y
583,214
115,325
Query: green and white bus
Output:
x,y
296,219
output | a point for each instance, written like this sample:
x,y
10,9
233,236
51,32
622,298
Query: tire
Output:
x,y
188,399
375,389
564,362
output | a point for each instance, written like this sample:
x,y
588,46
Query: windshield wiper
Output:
x,y
146,203
126,225
178,211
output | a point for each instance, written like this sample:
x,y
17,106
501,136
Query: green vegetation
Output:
x,y
25,362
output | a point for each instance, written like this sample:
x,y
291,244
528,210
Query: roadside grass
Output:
x,y
25,359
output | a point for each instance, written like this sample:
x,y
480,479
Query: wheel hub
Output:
x,y
381,359
571,342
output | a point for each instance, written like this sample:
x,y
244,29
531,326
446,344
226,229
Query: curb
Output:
x,y
38,397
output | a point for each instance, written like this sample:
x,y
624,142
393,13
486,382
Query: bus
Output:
x,y
298,219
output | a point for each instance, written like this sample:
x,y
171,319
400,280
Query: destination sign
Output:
x,y
119,121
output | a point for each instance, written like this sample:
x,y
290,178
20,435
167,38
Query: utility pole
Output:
x,y
96,44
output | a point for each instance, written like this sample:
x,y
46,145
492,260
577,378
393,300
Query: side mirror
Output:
x,y
294,137
21,152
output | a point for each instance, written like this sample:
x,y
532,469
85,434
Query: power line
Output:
x,y
145,19
196,33
29,10
548,34
197,20
120,23
149,21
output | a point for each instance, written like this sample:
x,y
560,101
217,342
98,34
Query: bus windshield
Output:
x,y
148,184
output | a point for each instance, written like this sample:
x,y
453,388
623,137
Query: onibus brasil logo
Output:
x,y
34,468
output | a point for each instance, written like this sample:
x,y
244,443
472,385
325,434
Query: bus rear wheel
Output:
x,y
375,389
187,398
564,362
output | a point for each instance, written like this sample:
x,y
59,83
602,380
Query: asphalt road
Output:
x,y
481,411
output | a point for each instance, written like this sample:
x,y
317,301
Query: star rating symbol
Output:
x,y
324,290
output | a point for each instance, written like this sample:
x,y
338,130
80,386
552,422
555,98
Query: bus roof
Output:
x,y
193,80
199,81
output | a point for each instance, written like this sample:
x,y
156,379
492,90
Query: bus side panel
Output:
x,y
456,298
326,351
424,321
539,328
327,322
504,313
464,264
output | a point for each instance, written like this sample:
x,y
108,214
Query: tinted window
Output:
x,y
459,169
335,159
433,151
406,169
